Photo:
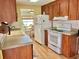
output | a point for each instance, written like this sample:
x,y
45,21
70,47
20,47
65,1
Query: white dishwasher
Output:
x,y
55,40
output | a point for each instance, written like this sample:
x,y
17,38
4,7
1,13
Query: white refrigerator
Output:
x,y
41,23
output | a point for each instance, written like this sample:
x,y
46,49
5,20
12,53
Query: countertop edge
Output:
x,y
16,46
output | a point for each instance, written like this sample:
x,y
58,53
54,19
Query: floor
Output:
x,y
1,55
44,52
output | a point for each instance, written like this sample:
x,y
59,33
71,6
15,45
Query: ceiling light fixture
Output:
x,y
33,0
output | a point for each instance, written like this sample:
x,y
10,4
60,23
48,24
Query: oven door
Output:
x,y
54,48
55,38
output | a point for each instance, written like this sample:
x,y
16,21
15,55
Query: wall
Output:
x,y
19,23
62,8
37,9
67,24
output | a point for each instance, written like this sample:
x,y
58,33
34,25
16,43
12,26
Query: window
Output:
x,y
27,22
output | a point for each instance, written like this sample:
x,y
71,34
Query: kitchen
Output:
x,y
44,29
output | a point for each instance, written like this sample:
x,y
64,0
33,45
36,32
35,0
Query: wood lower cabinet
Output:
x,y
23,52
46,37
69,45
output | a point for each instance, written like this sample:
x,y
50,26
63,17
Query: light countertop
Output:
x,y
70,33
73,32
16,32
16,39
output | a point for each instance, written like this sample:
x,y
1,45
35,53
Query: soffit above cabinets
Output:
x,y
40,2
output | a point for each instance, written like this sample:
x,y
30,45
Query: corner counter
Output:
x,y
15,41
17,47
70,32
69,44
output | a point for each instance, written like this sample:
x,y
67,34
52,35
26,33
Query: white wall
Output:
x,y
70,23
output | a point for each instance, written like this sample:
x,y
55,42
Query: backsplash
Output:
x,y
67,24
16,25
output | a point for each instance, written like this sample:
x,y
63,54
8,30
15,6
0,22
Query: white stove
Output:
x,y
54,40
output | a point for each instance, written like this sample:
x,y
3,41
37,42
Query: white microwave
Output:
x,y
61,18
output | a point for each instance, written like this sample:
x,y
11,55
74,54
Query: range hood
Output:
x,y
61,18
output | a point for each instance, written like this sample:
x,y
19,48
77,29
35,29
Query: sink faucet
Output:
x,y
9,29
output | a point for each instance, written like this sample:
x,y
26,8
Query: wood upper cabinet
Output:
x,y
63,8
64,5
78,11
51,9
51,12
69,45
42,9
7,11
73,9
56,8
46,9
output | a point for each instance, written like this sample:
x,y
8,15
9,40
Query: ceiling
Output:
x,y
40,2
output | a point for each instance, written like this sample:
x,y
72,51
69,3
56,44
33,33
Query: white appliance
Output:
x,y
54,40
41,23
55,36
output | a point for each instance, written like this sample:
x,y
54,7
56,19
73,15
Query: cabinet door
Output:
x,y
56,9
51,12
64,4
1,11
65,45
72,9
8,10
78,11
42,9
74,45
47,9
23,52
13,11
69,45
